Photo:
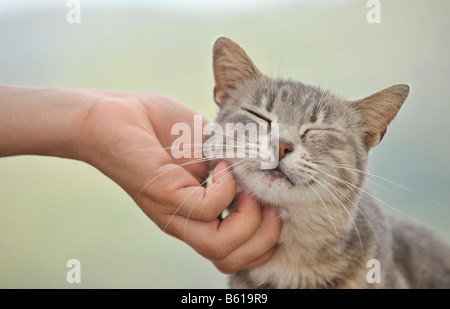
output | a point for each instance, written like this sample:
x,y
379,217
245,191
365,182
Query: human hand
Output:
x,y
128,138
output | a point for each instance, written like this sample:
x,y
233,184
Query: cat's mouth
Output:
x,y
277,173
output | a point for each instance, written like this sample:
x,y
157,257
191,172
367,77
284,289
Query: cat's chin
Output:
x,y
276,175
270,189
275,190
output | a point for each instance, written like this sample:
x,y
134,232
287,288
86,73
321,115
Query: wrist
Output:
x,y
104,126
41,121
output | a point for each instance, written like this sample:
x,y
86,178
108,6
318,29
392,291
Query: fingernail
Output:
x,y
221,166
225,164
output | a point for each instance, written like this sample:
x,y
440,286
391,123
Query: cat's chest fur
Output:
x,y
310,257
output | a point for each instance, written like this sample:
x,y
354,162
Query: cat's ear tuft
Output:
x,y
378,110
232,66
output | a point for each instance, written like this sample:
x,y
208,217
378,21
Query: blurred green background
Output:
x,y
53,210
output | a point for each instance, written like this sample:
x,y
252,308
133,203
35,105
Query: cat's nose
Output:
x,y
283,149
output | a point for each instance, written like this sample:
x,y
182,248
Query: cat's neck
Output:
x,y
318,233
315,249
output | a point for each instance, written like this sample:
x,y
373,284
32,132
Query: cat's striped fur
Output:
x,y
332,224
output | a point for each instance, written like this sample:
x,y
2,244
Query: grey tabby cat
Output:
x,y
332,225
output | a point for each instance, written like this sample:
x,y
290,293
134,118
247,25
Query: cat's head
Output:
x,y
323,140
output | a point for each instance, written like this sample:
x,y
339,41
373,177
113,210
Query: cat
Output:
x,y
332,225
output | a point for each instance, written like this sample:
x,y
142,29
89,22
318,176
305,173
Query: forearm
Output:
x,y
41,121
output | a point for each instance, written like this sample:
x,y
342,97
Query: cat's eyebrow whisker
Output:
x,y
329,76
273,91
319,105
265,83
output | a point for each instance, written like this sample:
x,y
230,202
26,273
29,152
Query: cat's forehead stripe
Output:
x,y
257,97
293,100
270,100
284,95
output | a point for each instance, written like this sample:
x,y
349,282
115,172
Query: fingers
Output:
x,y
244,239
256,250
194,201
215,239
241,224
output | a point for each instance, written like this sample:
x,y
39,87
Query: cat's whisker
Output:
x,y
374,197
329,199
234,167
167,171
330,128
345,196
246,142
320,104
217,134
227,135
354,205
343,206
189,195
164,148
366,173
366,178
279,65
228,174
194,161
265,83
328,212
194,145
348,213
272,95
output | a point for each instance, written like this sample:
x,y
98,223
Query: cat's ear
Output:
x,y
378,110
232,66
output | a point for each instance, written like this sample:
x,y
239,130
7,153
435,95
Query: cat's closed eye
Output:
x,y
303,135
309,131
258,115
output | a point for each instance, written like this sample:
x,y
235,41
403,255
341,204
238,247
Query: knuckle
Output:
x,y
218,251
209,213
271,239
227,268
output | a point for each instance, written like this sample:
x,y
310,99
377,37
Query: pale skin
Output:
x,y
127,136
